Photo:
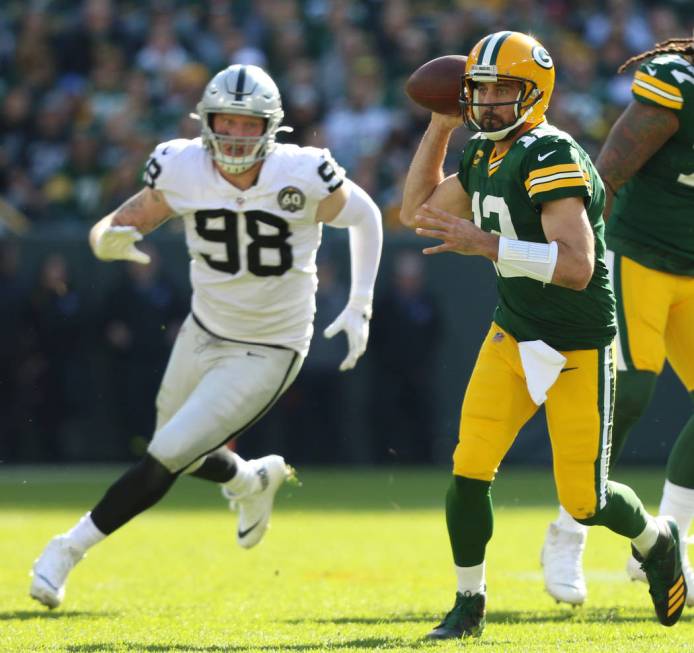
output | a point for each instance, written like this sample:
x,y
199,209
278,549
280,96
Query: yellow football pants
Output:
x,y
655,316
579,418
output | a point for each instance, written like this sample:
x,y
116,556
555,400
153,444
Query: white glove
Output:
x,y
354,321
118,243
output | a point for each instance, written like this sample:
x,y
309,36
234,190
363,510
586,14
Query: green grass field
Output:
x,y
355,561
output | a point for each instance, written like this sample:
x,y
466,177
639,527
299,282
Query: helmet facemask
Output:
x,y
528,96
247,91
243,151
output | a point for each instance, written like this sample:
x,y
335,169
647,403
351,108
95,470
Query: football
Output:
x,y
436,84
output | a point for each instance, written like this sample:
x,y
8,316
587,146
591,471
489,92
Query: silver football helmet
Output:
x,y
245,90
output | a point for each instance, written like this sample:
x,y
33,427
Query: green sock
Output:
x,y
623,513
633,394
470,519
680,464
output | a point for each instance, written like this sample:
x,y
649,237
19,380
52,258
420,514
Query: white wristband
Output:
x,y
521,258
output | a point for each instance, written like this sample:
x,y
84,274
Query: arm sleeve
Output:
x,y
363,219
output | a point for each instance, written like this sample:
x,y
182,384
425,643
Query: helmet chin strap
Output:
x,y
500,134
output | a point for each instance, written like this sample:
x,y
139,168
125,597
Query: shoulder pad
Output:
x,y
163,168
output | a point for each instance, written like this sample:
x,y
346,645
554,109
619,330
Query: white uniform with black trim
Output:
x,y
253,272
253,252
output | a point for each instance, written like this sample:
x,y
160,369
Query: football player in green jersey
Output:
x,y
647,164
527,197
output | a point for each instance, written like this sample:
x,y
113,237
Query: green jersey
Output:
x,y
652,219
507,193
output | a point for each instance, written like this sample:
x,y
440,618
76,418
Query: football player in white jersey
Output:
x,y
253,211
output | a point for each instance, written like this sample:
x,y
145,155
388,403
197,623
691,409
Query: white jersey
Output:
x,y
253,252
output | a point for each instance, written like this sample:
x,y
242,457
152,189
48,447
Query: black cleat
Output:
x,y
466,619
663,568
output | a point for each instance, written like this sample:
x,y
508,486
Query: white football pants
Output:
x,y
213,390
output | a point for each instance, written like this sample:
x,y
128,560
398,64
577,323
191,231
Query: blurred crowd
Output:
x,y
81,361
88,87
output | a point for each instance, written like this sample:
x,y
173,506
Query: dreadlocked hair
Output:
x,y
672,46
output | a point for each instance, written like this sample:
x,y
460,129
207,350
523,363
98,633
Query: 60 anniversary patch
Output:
x,y
291,199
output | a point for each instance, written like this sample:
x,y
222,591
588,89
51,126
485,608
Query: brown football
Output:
x,y
436,84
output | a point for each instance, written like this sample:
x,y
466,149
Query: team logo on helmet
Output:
x,y
542,58
291,199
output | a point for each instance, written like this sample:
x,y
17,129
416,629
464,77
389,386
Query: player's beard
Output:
x,y
490,121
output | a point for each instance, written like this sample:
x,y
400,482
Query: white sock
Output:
x,y
678,502
245,480
85,534
645,541
471,579
567,523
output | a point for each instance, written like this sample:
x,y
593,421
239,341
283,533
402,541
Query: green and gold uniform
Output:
x,y
507,193
651,232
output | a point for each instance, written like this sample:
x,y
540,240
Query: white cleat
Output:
x,y
635,572
50,571
255,507
562,562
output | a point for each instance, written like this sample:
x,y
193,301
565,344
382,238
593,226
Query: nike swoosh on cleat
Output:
x,y
48,582
568,369
243,534
254,355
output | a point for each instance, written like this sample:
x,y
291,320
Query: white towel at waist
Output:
x,y
542,366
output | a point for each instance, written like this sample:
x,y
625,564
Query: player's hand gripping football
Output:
x,y
118,243
459,235
354,321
